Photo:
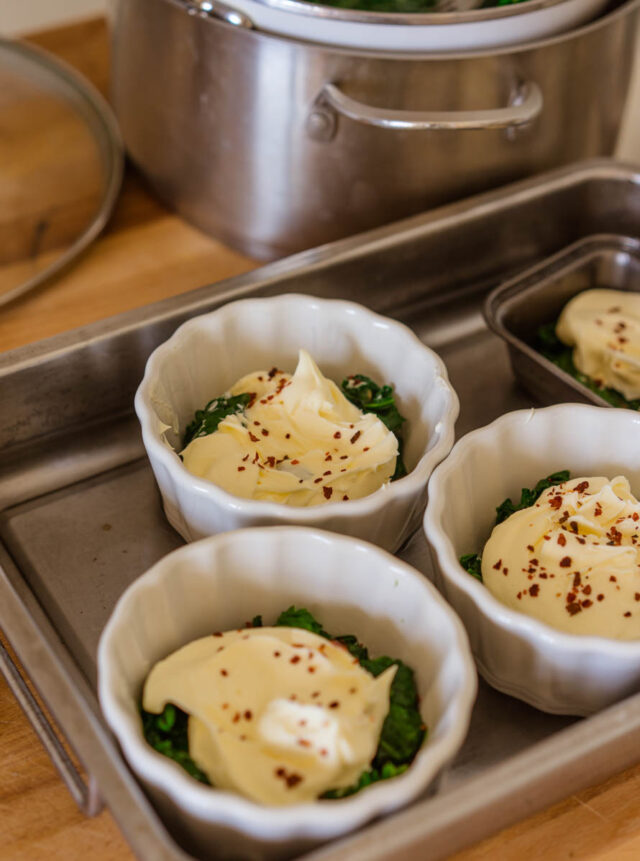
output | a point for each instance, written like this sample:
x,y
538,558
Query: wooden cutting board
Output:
x,y
145,255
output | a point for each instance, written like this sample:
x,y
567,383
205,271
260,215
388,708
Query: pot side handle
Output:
x,y
524,106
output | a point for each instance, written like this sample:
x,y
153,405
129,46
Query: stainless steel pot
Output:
x,y
275,145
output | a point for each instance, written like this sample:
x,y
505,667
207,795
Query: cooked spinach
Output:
x,y
206,421
472,562
553,349
369,397
402,734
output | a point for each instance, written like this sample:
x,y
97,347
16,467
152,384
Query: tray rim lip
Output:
x,y
537,278
236,287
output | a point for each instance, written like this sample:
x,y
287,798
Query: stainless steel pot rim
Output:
x,y
423,19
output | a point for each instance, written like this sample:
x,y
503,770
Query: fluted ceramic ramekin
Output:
x,y
352,587
554,671
209,353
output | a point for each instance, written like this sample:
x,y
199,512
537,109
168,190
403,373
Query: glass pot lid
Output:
x,y
61,163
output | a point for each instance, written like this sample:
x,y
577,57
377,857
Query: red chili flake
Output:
x,y
294,659
241,468
622,340
280,772
581,540
248,714
317,480
344,456
637,596
257,423
597,511
587,590
576,579
315,694
303,742
562,540
613,579
533,562
533,590
311,669
287,436
505,571
565,517
225,705
253,437
334,704
570,597
530,548
586,604
243,738
519,596
498,565
635,516
355,437
218,634
264,432
224,673
236,717
245,458
345,497
256,457
293,780
627,614
543,575
327,492
328,457
337,435
573,526
328,472
572,609
271,461
272,373
276,654
555,502
366,448
580,488
600,597
565,562
547,537
324,751
294,462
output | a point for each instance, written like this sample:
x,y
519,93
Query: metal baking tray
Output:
x,y
81,518
516,310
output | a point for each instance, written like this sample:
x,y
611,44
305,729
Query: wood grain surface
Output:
x,y
147,254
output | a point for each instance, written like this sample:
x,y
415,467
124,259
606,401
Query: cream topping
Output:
x,y
279,715
572,559
300,442
603,327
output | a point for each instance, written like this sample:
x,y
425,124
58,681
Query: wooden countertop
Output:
x,y
147,254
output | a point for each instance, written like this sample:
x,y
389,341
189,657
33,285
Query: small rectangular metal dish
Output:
x,y
516,310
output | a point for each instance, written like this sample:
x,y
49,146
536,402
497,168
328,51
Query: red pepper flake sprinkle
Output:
x,y
586,604
327,472
257,424
498,565
304,742
293,780
294,462
562,540
580,488
248,714
627,614
253,437
635,516
576,579
572,609
315,694
224,673
533,590
345,497
587,590
565,562
573,526
245,458
272,373
287,436
337,435
613,579
366,448
324,751
637,596
311,669
530,548
597,511
328,457
225,705
344,456
264,432
217,634
294,659
271,461
334,704
355,437
241,468
317,480
570,597
556,502
327,492
600,597
236,717
276,654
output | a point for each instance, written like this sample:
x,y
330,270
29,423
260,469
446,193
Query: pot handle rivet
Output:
x,y
321,123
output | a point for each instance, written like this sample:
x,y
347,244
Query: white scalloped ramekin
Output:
x,y
209,353
220,582
554,671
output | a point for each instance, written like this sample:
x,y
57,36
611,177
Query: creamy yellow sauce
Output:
x,y
572,559
279,715
603,327
299,442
